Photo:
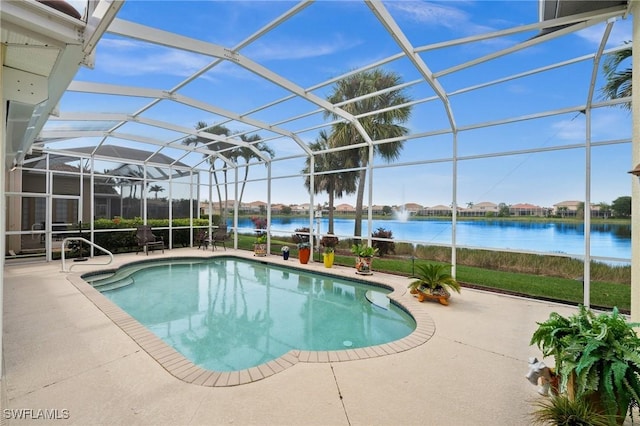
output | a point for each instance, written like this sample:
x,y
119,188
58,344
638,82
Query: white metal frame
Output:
x,y
79,41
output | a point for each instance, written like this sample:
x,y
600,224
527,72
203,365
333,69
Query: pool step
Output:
x,y
102,287
121,277
98,277
378,299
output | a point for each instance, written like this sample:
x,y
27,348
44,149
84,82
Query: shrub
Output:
x,y
384,247
301,236
329,242
260,225
119,240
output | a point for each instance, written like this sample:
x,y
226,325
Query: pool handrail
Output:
x,y
102,249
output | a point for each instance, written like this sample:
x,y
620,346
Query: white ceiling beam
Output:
x,y
74,134
394,30
253,37
521,46
109,89
273,24
117,90
185,131
237,117
596,62
163,38
602,15
97,24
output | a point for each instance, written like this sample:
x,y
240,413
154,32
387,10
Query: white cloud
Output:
x,y
129,58
298,49
133,58
620,33
612,124
173,63
570,130
519,89
437,14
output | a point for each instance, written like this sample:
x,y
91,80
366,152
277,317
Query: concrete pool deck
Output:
x,y
65,358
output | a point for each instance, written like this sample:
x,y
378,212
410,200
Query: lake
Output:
x,y
607,240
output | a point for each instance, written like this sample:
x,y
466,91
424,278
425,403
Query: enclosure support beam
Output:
x,y
635,185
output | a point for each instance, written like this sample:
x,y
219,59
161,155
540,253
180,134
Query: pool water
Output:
x,y
229,314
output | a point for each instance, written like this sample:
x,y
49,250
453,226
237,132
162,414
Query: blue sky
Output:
x,y
328,39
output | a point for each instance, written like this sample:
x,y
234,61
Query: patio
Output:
x,y
62,353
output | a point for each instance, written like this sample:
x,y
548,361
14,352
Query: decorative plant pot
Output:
x,y
304,254
439,295
328,259
363,265
285,255
260,250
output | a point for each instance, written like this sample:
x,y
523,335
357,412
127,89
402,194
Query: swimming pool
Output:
x,y
230,314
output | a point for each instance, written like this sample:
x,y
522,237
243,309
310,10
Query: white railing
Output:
x,y
66,240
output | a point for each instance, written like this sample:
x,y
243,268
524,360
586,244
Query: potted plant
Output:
x,y
364,256
434,282
260,246
301,238
285,252
329,242
596,356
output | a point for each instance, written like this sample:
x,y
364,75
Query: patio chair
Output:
x,y
203,239
220,236
147,240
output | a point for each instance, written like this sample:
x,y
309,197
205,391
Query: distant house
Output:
x,y
277,208
345,209
573,208
377,209
255,207
480,209
524,209
412,208
300,208
215,207
439,210
567,208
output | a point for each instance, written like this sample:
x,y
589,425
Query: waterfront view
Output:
x,y
607,240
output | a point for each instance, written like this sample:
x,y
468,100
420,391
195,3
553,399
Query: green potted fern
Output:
x,y
433,281
596,356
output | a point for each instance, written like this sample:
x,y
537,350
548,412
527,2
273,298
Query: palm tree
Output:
x,y
156,189
214,146
604,209
334,184
247,154
381,125
618,81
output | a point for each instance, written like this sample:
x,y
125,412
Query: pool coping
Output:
x,y
183,369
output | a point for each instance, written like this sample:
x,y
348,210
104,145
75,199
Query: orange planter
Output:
x,y
442,298
304,254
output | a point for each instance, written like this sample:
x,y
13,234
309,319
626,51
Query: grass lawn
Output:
x,y
603,294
